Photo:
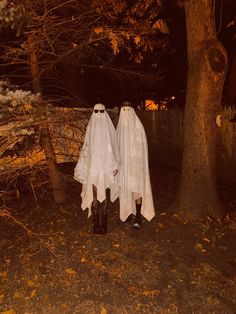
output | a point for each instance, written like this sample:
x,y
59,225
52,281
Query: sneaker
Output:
x,y
136,225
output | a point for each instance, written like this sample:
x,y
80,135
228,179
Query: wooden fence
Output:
x,y
164,134
165,138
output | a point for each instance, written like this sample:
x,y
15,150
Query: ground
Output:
x,y
169,266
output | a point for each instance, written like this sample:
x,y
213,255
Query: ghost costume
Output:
x,y
99,157
133,180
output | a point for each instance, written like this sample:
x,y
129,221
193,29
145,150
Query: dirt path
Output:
x,y
166,267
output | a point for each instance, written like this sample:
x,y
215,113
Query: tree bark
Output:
x,y
46,142
207,63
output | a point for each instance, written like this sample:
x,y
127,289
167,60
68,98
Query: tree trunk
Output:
x,y
46,142
207,62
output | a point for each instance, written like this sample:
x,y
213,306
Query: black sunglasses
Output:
x,y
96,110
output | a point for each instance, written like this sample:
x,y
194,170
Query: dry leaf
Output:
x,y
9,312
3,274
70,271
206,239
150,292
137,39
161,26
116,245
30,283
103,310
98,29
33,293
27,106
199,247
62,239
17,295
146,293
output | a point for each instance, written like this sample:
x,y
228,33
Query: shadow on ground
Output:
x,y
166,267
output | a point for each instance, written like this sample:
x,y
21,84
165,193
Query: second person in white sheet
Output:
x,y
132,184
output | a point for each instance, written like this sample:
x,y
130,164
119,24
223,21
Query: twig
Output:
x,y
46,244
5,213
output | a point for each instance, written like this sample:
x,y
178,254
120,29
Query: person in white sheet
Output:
x,y
132,184
97,165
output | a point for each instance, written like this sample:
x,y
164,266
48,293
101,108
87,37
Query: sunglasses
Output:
x,y
96,110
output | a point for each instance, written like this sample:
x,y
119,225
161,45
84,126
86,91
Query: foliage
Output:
x,y
55,28
11,16
19,120
82,33
136,28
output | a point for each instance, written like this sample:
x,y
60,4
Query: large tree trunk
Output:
x,y
207,62
46,142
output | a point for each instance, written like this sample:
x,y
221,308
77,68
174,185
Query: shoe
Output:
x,y
136,225
137,222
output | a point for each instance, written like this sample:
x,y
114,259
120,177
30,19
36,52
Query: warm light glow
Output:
x,y
151,105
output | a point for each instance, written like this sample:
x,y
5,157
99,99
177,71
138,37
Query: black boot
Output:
x,y
95,213
104,224
103,221
96,225
138,220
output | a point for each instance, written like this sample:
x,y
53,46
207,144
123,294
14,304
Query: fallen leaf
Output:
x,y
30,283
17,295
116,245
62,239
103,310
207,240
146,293
33,293
150,292
199,247
3,274
9,312
70,271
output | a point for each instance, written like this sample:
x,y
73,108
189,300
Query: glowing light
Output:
x,y
152,105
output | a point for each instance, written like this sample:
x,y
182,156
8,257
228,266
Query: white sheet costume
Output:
x,y
99,157
133,180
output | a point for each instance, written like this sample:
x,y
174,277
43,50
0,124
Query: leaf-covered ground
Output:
x,y
166,267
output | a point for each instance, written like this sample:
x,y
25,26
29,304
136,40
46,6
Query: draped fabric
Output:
x,y
133,180
99,157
